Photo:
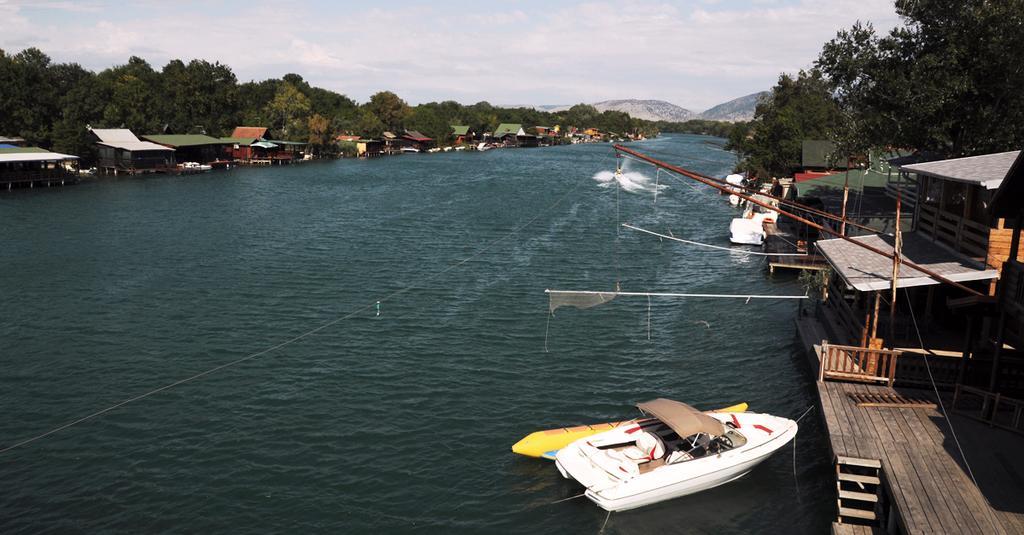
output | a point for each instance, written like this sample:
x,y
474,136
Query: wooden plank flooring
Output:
x,y
922,475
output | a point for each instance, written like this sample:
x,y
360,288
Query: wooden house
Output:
x,y
120,151
953,205
956,233
369,148
416,140
508,134
191,147
392,144
462,134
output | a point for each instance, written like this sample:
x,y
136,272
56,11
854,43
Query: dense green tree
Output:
x,y
134,95
799,107
390,109
368,125
949,80
288,112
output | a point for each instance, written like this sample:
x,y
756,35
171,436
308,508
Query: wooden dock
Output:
x,y
897,467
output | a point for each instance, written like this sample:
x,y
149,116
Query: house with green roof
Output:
x,y
462,134
513,135
191,147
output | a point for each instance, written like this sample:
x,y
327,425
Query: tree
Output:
x,y
288,112
390,109
948,80
797,108
319,132
133,91
368,125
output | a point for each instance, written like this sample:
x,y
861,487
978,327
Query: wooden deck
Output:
x,y
921,471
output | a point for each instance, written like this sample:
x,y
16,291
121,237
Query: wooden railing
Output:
x,y
862,364
954,230
989,407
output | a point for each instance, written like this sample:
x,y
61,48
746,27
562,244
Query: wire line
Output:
x,y
368,306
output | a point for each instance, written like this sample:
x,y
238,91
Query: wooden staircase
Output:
x,y
859,486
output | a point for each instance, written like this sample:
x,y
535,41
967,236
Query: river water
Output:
x,y
398,419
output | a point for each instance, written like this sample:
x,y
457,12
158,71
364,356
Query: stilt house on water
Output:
x,y
191,147
121,152
416,140
907,361
33,166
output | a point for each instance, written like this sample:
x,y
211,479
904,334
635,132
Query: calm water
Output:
x,y
394,423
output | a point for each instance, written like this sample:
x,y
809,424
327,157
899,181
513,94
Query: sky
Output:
x,y
694,53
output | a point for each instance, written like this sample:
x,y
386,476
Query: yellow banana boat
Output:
x,y
545,444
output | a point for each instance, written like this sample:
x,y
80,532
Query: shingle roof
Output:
x,y
987,170
183,140
866,271
1009,198
250,131
122,138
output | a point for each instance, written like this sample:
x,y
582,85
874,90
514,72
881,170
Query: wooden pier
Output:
x,y
898,469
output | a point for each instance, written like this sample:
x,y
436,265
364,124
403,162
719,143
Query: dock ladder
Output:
x,y
859,487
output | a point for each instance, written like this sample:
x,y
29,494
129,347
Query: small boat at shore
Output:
x,y
545,444
410,150
483,146
679,451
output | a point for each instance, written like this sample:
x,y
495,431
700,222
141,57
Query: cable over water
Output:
x,y
375,304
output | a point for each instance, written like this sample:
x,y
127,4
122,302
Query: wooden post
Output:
x,y
846,196
968,343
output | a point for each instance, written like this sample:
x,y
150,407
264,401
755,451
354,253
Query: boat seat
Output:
x,y
648,447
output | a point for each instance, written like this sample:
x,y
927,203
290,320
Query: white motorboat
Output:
x,y
749,229
410,150
483,146
678,452
195,167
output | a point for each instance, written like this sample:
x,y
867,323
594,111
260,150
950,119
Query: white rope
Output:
x,y
730,249
306,334
935,388
654,294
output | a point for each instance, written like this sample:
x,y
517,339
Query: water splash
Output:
x,y
629,181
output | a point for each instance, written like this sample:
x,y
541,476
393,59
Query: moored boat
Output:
x,y
546,443
679,451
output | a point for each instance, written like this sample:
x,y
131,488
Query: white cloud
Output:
x,y
694,55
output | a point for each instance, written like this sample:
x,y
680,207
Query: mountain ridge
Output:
x,y
737,109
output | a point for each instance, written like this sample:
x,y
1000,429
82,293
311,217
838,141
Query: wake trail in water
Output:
x,y
629,181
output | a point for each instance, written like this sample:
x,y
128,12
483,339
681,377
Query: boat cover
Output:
x,y
682,418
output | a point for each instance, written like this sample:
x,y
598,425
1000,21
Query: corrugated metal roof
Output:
x,y
122,138
987,170
867,271
10,149
183,140
35,157
238,140
416,136
250,131
460,130
507,128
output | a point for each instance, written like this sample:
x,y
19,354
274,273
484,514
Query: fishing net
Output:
x,y
581,300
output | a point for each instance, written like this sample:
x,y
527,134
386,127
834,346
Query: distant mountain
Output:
x,y
738,109
650,110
